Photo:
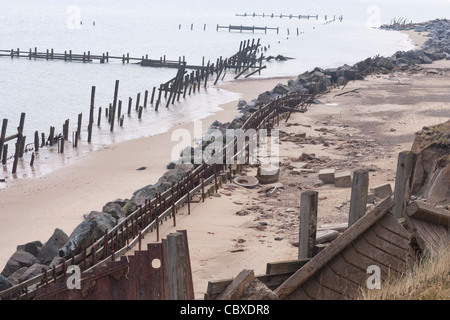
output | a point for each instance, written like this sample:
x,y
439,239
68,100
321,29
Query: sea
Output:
x,y
51,92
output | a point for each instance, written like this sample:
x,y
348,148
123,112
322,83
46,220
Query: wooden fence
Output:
x,y
182,84
129,232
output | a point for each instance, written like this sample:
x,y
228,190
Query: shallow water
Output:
x,y
49,92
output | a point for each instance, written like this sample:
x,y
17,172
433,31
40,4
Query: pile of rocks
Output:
x,y
32,258
319,80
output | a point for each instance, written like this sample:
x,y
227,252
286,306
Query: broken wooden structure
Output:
x,y
340,270
162,272
429,225
203,180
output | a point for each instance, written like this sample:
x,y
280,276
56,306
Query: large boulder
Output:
x,y
33,271
86,233
179,171
51,247
16,277
115,209
33,247
280,89
432,172
18,260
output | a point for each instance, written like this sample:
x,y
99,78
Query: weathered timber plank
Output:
x,y
284,267
348,271
234,290
378,254
334,248
429,236
385,245
391,237
426,212
353,257
389,223
330,279
320,292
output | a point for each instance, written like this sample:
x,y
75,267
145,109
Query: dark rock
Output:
x,y
241,104
264,98
86,233
55,262
33,271
33,247
115,209
18,260
16,277
51,247
280,89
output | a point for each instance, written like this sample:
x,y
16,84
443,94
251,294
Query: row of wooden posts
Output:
x,y
360,186
204,179
183,83
290,16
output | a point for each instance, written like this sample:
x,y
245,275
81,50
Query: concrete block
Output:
x,y
327,175
343,179
382,191
268,174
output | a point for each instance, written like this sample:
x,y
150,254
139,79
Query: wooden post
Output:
x,y
179,275
32,160
66,130
130,101
80,117
91,114
99,116
36,141
308,224
51,137
173,204
62,146
138,100
145,98
119,110
358,201
113,115
403,181
5,154
3,135
153,95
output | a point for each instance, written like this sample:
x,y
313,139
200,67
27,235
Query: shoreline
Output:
x,y
59,190
59,199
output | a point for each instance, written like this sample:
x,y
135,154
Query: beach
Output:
x,y
32,208
376,120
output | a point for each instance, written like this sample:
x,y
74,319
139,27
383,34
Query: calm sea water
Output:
x,y
52,91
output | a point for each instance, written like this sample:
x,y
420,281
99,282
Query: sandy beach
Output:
x,y
32,208
365,128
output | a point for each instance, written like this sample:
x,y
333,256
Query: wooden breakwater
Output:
x,y
203,180
182,85
290,16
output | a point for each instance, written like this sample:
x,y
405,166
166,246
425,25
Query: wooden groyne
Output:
x,y
184,84
246,28
290,16
203,180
